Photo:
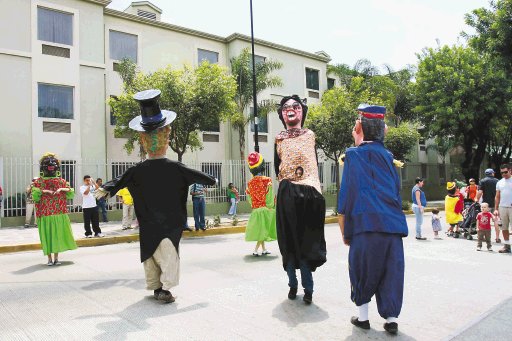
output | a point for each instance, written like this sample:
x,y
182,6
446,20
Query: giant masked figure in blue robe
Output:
x,y
371,220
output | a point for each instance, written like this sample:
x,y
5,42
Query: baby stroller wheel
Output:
x,y
456,235
469,237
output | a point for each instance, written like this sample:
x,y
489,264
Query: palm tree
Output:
x,y
241,68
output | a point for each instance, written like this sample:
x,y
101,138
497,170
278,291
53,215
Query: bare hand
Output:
x,y
346,242
496,213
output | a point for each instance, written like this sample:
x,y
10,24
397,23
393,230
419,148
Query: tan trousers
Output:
x,y
127,215
163,268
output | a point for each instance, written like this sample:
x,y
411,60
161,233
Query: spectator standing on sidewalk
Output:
x,y
29,206
198,205
234,198
90,210
487,191
102,203
483,226
503,203
419,201
127,200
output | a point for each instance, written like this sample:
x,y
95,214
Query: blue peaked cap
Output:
x,y
371,109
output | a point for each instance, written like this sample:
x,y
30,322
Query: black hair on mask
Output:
x,y
302,103
373,129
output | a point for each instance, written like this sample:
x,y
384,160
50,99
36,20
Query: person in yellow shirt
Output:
x,y
127,199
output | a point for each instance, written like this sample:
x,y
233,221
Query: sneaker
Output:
x,y
498,241
421,238
166,296
56,262
125,228
360,324
88,236
479,248
266,252
187,229
26,226
99,235
505,249
391,327
255,254
308,297
489,249
292,294
50,263
156,293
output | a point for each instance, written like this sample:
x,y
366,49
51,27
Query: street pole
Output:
x,y
255,102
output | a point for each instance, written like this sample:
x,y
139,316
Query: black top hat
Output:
x,y
151,117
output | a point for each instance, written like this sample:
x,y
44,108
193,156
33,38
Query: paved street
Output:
x,y
452,291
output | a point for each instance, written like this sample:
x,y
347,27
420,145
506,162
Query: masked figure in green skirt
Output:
x,y
50,193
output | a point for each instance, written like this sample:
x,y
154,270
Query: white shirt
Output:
x,y
505,188
89,200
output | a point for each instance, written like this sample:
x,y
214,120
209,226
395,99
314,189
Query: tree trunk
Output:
x,y
337,170
473,158
241,145
180,156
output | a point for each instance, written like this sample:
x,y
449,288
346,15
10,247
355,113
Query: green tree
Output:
x,y
401,140
403,92
460,92
493,31
241,68
199,97
442,145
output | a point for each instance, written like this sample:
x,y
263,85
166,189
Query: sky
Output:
x,y
388,32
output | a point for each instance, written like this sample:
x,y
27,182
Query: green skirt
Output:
x,y
261,225
55,233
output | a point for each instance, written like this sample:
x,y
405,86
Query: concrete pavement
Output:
x,y
227,294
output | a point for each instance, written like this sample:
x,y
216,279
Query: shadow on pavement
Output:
x,y
107,284
133,318
39,267
295,312
372,334
254,259
209,239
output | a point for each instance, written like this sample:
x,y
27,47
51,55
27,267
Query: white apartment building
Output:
x,y
57,65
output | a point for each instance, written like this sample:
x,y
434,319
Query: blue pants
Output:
x,y
305,275
102,206
376,267
199,206
419,220
232,208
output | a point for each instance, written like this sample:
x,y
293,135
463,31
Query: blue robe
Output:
x,y
375,224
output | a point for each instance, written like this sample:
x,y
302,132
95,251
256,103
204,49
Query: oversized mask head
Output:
x,y
292,111
49,165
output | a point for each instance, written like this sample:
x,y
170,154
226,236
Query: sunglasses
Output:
x,y
504,172
294,106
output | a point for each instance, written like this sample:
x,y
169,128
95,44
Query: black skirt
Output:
x,y
300,224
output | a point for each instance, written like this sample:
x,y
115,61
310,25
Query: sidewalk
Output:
x,y
16,239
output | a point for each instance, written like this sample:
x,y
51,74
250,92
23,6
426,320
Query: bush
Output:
x,y
406,205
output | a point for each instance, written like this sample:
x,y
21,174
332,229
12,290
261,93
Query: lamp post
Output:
x,y
255,102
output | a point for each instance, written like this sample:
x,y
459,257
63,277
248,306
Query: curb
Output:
x,y
130,238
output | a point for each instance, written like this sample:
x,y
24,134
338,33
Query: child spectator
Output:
x,y
472,189
127,199
483,225
436,223
453,206
234,198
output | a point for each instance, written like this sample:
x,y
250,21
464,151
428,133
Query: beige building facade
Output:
x,y
58,66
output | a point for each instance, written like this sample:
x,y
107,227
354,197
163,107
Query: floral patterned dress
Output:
x,y
51,212
262,222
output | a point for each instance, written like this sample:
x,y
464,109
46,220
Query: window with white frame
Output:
x,y
55,101
123,45
54,26
312,79
210,56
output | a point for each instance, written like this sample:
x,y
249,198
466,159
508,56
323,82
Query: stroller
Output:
x,y
468,223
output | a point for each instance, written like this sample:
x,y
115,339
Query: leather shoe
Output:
x,y
391,327
156,293
361,324
421,238
166,296
292,294
308,297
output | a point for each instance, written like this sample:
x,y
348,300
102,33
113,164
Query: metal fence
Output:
x,y
16,175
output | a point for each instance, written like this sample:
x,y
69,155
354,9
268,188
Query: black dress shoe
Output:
x,y
166,296
308,297
421,238
391,327
292,294
361,324
187,229
157,292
